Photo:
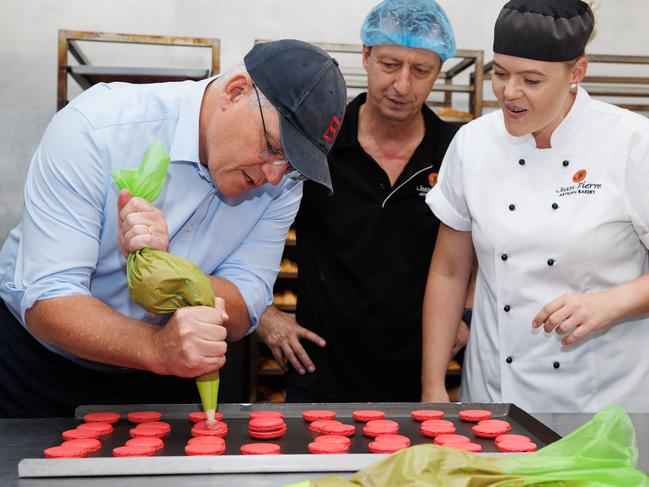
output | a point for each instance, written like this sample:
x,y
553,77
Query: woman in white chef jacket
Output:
x,y
552,193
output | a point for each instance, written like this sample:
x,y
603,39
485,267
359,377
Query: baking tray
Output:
x,y
171,460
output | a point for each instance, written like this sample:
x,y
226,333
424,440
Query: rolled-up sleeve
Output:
x,y
446,198
63,215
254,265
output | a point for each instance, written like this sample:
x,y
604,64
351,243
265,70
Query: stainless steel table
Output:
x,y
25,439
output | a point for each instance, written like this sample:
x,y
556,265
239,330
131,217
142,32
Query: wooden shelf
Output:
x,y
287,275
269,372
287,308
85,74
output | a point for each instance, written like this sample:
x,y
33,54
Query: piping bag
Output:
x,y
161,282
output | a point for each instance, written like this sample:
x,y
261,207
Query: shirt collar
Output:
x,y
348,136
185,142
564,131
571,123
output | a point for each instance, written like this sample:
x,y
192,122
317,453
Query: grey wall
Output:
x,y
28,48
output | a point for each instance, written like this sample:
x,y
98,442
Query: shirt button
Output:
x,y
512,207
521,162
382,185
503,257
566,163
556,365
507,308
555,206
551,261
509,360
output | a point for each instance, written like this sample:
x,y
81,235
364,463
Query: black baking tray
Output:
x,y
293,444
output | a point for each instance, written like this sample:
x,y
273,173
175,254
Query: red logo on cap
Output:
x,y
332,129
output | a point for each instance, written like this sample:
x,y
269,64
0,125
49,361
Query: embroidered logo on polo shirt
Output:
x,y
580,186
423,190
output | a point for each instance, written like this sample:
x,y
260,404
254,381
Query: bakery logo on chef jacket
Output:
x,y
432,181
580,185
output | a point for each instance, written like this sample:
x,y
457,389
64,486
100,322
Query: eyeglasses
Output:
x,y
272,155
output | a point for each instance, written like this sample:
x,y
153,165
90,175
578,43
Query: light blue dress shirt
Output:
x,y
67,244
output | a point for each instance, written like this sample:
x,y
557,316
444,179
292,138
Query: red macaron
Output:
x,y
337,439
442,440
315,414
260,449
101,428
69,451
325,447
133,451
475,415
89,444
380,427
200,429
490,428
365,415
435,427
198,416
197,449
102,417
426,414
148,442
143,416
338,429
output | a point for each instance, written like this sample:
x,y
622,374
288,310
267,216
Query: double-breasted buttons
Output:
x,y
566,163
509,360
503,257
555,206
512,207
556,365
521,162
551,262
507,308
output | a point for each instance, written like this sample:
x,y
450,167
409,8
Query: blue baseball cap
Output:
x,y
307,88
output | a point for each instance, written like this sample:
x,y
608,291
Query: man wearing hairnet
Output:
x,y
364,252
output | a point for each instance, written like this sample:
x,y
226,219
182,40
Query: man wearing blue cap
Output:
x,y
364,251
69,333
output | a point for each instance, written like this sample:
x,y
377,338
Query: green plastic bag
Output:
x,y
602,452
146,180
158,281
161,282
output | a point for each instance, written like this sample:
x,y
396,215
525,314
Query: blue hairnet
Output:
x,y
410,23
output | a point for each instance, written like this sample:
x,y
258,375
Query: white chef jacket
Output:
x,y
544,222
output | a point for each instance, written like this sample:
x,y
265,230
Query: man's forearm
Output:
x,y
239,322
88,328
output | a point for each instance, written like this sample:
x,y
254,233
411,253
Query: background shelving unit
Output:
x,y
74,62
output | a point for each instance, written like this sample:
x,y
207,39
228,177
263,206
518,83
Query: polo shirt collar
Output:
x,y
348,137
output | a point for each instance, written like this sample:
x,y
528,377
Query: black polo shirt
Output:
x,y
363,256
